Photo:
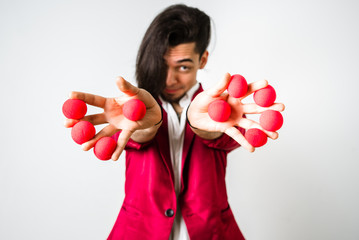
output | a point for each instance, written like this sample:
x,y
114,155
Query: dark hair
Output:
x,y
177,24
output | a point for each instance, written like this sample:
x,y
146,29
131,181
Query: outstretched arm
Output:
x,y
207,128
140,131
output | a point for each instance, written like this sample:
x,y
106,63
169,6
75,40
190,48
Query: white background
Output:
x,y
303,186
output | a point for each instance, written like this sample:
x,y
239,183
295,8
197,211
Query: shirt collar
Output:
x,y
186,99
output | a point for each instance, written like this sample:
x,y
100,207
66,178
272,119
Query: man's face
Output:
x,y
183,63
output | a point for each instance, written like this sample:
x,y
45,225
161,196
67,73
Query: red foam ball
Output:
x,y
271,120
219,110
82,132
238,86
256,137
104,148
134,109
74,109
265,97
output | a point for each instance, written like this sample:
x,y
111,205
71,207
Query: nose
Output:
x,y
171,78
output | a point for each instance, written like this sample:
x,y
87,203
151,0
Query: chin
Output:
x,y
172,98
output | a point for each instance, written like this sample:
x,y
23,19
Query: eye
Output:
x,y
184,68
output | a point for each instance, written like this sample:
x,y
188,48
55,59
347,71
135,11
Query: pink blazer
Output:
x,y
150,201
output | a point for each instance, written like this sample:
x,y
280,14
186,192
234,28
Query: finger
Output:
x,y
252,108
247,124
69,123
281,108
126,87
88,98
107,131
255,86
238,137
121,143
96,119
217,90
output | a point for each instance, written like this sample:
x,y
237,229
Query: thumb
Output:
x,y
217,90
126,87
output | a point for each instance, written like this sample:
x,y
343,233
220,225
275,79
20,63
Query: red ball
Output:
x,y
74,109
238,86
104,148
271,120
134,109
256,137
219,110
265,97
82,132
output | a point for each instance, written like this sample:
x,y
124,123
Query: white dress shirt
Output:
x,y
176,129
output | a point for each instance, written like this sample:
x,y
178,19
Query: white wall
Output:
x,y
304,185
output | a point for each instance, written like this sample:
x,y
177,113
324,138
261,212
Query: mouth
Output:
x,y
171,91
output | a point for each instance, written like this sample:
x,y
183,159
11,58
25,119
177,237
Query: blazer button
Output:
x,y
169,213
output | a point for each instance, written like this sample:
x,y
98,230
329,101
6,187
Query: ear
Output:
x,y
203,60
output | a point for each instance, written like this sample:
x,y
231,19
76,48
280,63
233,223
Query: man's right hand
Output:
x,y
113,115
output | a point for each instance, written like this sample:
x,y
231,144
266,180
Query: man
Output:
x,y
176,155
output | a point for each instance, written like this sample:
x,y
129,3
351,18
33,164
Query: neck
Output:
x,y
177,108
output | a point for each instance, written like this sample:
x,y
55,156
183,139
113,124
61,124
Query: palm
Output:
x,y
114,114
201,117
